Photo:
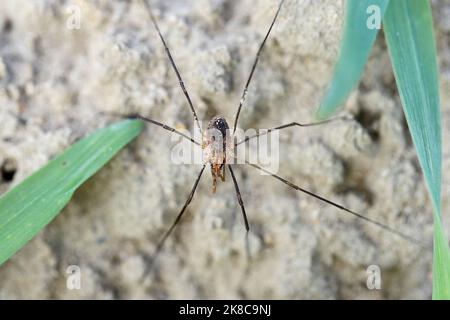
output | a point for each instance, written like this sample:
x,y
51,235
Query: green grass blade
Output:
x,y
27,208
441,263
355,47
409,32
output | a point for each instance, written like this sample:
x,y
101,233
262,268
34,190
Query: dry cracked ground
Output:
x,y
58,83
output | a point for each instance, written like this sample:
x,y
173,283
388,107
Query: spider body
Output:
x,y
217,148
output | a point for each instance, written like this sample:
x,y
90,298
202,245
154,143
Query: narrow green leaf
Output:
x,y
28,207
409,33
441,263
356,43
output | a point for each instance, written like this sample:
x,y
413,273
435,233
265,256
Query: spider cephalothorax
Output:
x,y
217,148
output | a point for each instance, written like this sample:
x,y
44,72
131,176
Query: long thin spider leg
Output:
x,y
289,125
188,201
172,62
244,214
239,197
244,94
159,124
166,127
374,222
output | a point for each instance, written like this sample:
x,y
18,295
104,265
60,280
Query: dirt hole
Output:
x,y
8,170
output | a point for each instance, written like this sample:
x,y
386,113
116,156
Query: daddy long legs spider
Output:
x,y
216,151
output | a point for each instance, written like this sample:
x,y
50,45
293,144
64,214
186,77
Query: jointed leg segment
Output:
x,y
188,201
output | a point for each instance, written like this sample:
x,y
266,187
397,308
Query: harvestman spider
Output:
x,y
218,162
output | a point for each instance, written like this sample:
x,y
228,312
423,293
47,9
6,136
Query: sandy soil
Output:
x,y
56,83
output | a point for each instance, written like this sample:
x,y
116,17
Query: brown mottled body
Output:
x,y
216,150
